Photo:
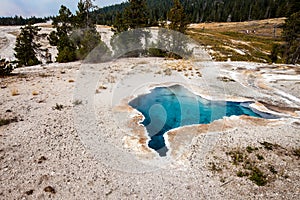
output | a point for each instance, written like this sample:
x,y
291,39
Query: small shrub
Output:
x,y
50,189
225,79
237,157
34,93
5,67
222,179
14,92
296,152
44,75
241,173
77,102
4,122
154,52
66,54
249,149
269,146
58,107
259,157
274,52
213,167
258,177
272,169
102,87
29,192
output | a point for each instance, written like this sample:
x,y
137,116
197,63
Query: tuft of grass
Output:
x,y
296,152
237,156
14,92
77,102
272,169
250,149
34,93
29,192
259,157
58,107
50,189
242,174
213,167
225,79
269,146
44,75
4,122
254,166
102,87
258,177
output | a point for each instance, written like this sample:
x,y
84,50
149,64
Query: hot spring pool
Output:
x,y
166,108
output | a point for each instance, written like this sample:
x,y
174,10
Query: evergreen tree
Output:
x,y
134,18
83,14
274,53
178,18
291,34
209,10
173,40
26,47
119,25
61,37
5,67
86,36
136,14
88,40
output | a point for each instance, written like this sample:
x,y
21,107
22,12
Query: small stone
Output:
x,y
29,192
41,159
50,189
102,87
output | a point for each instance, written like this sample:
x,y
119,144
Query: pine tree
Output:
x,y
174,39
178,18
26,47
61,37
5,67
86,37
83,14
291,34
136,15
119,25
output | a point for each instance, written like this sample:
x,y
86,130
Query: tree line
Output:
x,y
20,21
207,10
75,36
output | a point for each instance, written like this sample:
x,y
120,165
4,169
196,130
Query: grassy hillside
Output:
x,y
239,41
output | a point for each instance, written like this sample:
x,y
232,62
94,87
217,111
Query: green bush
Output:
x,y
258,177
5,67
4,122
66,55
27,48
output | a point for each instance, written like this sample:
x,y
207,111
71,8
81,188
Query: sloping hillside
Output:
x,y
239,41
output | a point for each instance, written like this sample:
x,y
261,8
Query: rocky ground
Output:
x,y
67,133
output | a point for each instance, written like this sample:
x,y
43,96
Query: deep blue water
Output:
x,y
166,108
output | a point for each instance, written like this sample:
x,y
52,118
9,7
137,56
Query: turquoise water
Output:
x,y
166,108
